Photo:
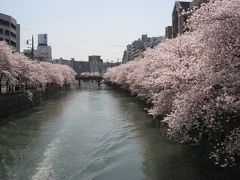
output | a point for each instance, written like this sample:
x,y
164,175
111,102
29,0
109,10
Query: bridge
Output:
x,y
96,77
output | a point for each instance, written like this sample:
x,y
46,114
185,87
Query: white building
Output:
x,y
44,52
10,31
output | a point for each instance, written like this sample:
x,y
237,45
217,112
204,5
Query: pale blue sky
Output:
x,y
78,28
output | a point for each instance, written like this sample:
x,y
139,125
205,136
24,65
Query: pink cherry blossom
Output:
x,y
30,75
192,81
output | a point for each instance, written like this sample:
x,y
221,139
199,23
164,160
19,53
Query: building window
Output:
x,y
1,31
13,44
4,23
13,35
13,26
7,32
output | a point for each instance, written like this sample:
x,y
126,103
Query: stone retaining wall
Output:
x,y
17,102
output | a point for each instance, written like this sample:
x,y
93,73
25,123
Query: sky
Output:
x,y
79,28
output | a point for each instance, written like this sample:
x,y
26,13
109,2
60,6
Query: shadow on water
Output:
x,y
20,132
164,159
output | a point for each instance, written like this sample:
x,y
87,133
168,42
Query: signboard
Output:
x,y
42,39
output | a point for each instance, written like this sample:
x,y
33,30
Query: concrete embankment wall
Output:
x,y
17,102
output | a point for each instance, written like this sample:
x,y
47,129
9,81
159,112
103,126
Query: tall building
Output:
x,y
128,54
95,64
81,66
168,32
138,46
44,52
178,19
10,31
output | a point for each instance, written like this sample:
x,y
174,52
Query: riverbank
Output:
x,y
17,102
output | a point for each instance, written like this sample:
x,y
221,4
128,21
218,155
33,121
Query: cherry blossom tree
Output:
x,y
8,67
31,75
193,81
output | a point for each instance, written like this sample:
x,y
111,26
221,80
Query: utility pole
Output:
x,y
32,47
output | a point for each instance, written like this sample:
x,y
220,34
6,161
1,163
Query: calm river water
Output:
x,y
90,133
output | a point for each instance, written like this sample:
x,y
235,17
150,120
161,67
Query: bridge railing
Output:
x,y
89,76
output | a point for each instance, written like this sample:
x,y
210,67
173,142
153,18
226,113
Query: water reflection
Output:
x,y
164,159
94,133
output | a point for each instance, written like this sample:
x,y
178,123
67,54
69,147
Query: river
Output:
x,y
94,133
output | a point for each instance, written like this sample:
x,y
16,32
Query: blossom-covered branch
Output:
x,y
193,81
22,74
